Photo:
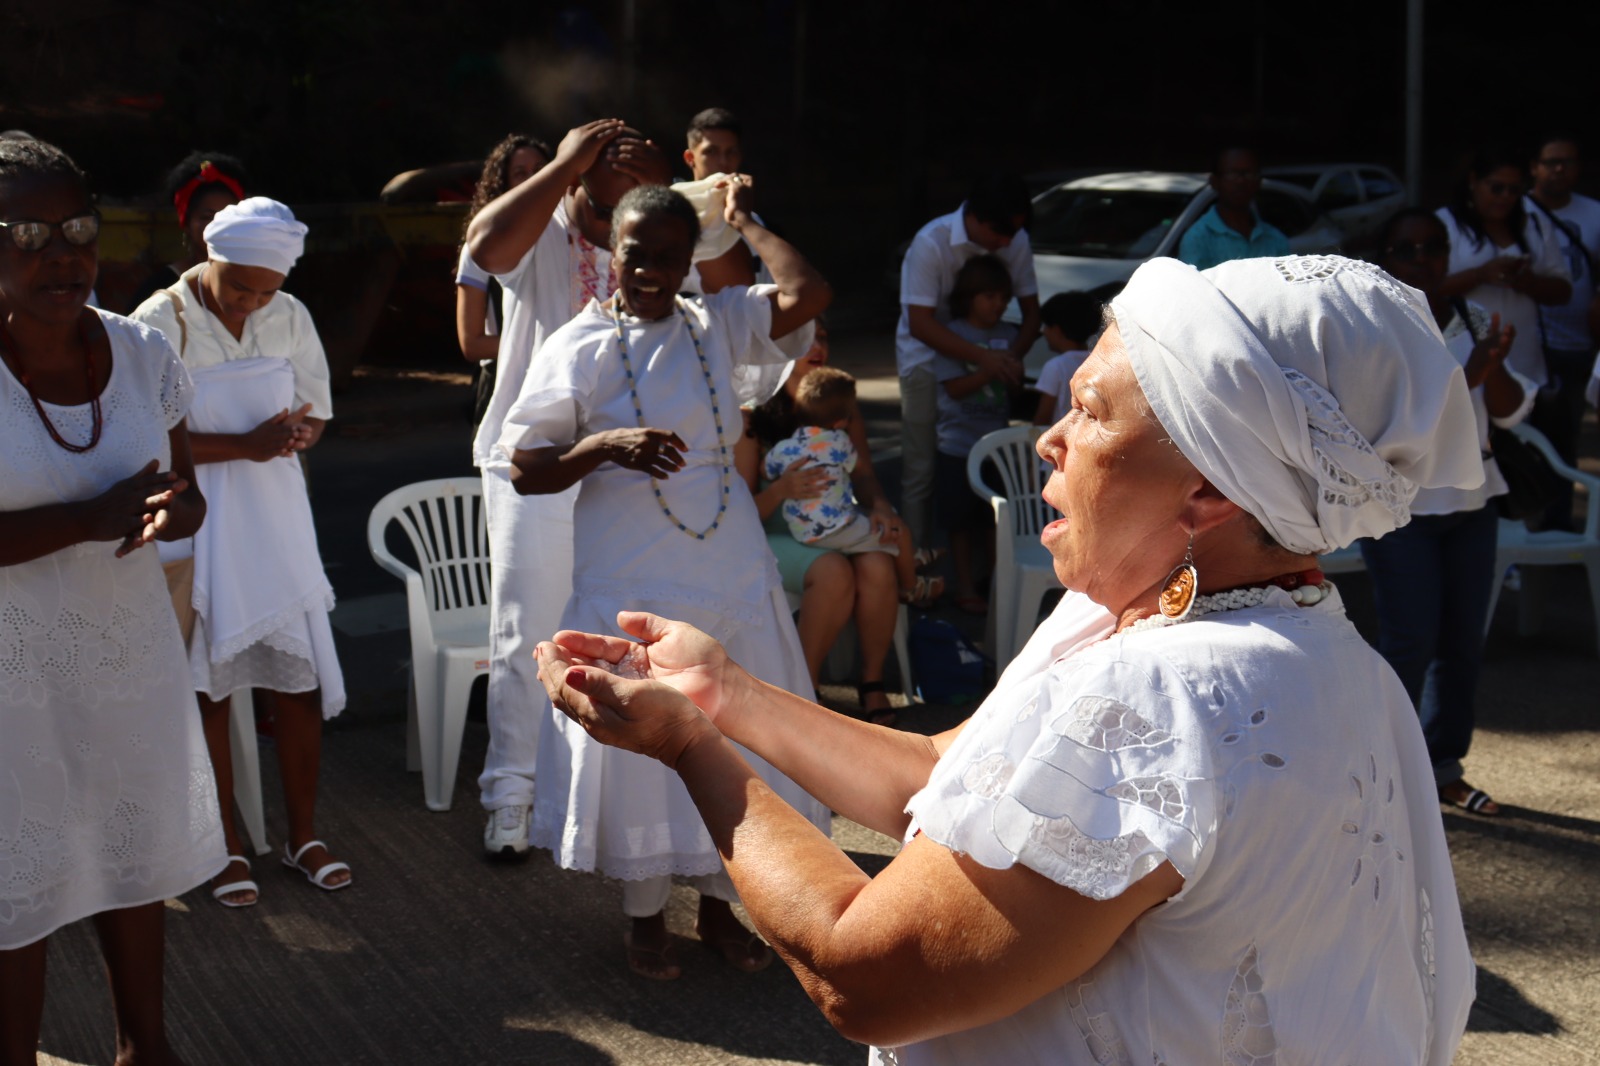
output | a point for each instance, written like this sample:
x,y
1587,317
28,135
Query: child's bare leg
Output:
x,y
905,564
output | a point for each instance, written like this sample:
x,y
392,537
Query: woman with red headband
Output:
x,y
198,187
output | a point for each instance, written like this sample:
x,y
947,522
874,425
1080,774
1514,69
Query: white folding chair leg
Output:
x,y
902,652
247,768
456,674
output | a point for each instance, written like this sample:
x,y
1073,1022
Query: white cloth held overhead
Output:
x,y
256,232
709,198
1313,391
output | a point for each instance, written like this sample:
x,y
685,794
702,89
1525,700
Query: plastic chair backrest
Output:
x,y
1022,474
1588,482
445,523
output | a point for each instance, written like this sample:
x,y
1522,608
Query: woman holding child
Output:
x,y
835,586
636,401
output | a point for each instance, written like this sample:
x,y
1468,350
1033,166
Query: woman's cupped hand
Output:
x,y
654,696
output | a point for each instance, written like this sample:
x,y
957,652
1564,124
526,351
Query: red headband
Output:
x,y
209,175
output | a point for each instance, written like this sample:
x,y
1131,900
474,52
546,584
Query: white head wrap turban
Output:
x,y
1313,391
256,232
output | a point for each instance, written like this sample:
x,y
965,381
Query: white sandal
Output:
x,y
231,887
320,876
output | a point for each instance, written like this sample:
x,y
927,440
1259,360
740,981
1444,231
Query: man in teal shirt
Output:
x,y
1232,229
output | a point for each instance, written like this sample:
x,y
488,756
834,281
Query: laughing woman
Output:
x,y
636,400
106,801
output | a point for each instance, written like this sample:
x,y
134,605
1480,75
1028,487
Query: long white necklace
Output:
x,y
1234,600
716,416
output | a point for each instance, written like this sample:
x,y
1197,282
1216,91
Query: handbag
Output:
x,y
1530,483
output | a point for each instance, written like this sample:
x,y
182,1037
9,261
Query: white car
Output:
x,y
1089,235
1356,197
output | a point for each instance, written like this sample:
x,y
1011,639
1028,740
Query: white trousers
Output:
x,y
644,899
530,545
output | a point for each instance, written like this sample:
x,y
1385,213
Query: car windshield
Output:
x,y
1104,223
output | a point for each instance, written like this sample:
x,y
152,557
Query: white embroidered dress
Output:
x,y
603,808
106,794
260,593
1273,758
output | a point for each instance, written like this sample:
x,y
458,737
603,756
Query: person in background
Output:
x,y
716,146
833,588
1502,258
1081,879
1069,320
973,400
108,807
1433,576
1569,345
1232,228
478,295
992,220
825,409
547,242
202,184
250,590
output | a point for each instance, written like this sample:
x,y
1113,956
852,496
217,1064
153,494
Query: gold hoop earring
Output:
x,y
1179,590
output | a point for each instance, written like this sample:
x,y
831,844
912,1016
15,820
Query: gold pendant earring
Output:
x,y
1178,591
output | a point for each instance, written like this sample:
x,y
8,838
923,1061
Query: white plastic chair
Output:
x,y
448,609
842,658
1551,547
1023,570
246,759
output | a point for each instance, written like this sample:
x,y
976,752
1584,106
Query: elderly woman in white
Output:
x,y
1195,820
256,608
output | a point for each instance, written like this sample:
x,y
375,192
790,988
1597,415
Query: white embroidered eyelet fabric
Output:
x,y
1264,752
106,793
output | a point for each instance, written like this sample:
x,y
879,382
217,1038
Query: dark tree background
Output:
x,y
863,119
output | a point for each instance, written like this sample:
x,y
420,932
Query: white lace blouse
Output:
x,y
1273,758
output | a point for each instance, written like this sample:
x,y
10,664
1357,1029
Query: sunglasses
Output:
x,y
1411,251
602,212
1502,188
32,236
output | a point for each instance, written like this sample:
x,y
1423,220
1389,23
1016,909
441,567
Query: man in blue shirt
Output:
x,y
1232,229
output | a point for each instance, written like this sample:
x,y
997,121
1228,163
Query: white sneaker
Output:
x,y
506,835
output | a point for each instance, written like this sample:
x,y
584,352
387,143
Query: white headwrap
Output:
x,y
1313,391
256,232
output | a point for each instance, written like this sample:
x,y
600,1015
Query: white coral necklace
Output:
x,y
1235,600
716,417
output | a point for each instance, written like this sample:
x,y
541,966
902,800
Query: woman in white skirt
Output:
x,y
636,400
259,602
106,800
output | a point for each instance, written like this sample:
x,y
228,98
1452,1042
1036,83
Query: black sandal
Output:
x,y
884,716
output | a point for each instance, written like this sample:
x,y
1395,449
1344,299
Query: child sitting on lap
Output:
x,y
824,404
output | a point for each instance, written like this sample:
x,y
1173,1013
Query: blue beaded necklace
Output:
x,y
716,415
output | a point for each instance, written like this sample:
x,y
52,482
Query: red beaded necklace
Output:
x,y
96,417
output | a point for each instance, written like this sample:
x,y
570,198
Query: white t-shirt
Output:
x,y
1055,378
1567,327
1460,340
929,274
1275,760
1514,308
474,276
547,287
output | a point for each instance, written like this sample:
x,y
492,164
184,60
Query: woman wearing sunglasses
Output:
x,y
107,806
1432,577
1503,259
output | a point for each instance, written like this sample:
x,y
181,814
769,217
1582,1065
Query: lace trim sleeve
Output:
x,y
1095,780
